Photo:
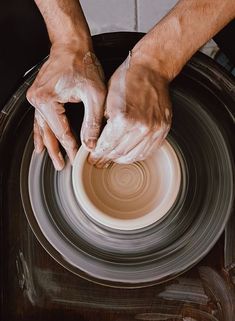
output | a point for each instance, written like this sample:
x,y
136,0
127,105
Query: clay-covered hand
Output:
x,y
69,75
138,109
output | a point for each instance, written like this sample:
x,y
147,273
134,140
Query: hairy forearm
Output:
x,y
65,21
189,25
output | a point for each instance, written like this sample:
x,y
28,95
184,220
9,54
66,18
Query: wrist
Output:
x,y
72,49
66,23
153,54
74,42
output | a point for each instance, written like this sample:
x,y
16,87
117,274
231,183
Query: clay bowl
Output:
x,y
128,197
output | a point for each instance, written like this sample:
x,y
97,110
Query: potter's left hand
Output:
x,y
138,110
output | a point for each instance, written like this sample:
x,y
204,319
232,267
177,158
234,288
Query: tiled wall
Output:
x,y
129,15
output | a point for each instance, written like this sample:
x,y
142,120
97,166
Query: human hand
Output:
x,y
138,109
69,75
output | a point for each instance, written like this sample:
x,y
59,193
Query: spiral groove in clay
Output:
x,y
128,196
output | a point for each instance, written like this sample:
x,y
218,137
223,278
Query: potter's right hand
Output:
x,y
69,75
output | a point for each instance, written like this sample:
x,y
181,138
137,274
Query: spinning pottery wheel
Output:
x,y
174,206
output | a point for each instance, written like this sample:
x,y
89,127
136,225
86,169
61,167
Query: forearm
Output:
x,y
189,25
65,21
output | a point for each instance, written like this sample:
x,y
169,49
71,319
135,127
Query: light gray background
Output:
x,y
129,15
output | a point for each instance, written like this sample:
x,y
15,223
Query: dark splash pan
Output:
x,y
36,286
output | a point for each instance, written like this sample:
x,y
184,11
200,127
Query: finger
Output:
x,y
153,148
130,140
135,154
165,133
51,143
142,150
38,142
154,143
117,124
59,125
94,111
111,135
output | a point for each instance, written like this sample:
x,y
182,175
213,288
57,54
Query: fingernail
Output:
x,y
91,159
91,143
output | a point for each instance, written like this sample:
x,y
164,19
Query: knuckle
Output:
x,y
37,98
92,124
143,128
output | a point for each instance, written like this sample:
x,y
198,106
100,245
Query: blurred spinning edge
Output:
x,y
202,137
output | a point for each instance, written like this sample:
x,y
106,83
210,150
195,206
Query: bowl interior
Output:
x,y
130,196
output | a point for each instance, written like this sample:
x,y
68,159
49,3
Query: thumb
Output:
x,y
93,116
